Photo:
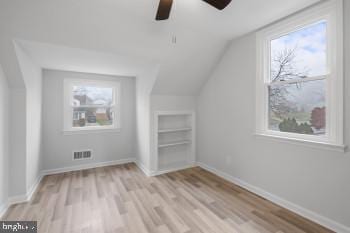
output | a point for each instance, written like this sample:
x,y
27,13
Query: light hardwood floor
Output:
x,y
122,199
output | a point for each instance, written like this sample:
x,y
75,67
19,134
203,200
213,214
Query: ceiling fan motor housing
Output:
x,y
164,7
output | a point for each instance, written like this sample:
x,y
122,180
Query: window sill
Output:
x,y
90,131
303,142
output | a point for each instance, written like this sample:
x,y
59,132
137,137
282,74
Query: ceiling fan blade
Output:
x,y
219,4
164,9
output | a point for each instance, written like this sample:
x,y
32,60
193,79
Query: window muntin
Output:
x,y
297,82
91,105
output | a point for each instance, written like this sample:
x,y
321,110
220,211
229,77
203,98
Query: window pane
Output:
x,y
85,117
90,95
300,54
298,108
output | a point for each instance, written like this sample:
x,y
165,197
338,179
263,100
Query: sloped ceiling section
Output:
x,y
50,56
128,30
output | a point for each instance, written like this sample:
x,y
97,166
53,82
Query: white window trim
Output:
x,y
68,128
332,11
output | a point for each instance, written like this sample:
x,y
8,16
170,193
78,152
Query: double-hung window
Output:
x,y
91,105
299,79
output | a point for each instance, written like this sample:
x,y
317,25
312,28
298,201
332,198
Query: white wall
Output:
x,y
108,146
33,82
315,179
18,138
4,143
145,82
172,103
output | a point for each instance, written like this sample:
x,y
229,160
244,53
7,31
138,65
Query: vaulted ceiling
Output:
x,y
127,29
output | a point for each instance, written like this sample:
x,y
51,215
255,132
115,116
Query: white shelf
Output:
x,y
174,130
176,113
174,144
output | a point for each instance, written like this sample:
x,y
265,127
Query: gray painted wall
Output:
x,y
18,137
144,84
172,103
109,146
4,143
314,179
32,76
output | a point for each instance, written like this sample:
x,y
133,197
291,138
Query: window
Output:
x,y
91,105
299,79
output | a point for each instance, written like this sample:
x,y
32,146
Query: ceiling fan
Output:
x,y
164,7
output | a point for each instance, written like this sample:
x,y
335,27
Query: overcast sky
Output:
x,y
312,46
99,95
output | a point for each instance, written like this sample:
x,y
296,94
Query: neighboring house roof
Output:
x,y
86,100
83,99
100,102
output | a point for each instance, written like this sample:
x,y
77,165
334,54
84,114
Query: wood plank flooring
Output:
x,y
122,199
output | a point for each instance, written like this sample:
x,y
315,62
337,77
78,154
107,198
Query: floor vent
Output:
x,y
79,155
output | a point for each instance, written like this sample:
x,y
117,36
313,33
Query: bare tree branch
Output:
x,y
283,68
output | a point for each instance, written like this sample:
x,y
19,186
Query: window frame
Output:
x,y
68,107
332,12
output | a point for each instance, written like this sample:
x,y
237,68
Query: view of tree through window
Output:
x,y
92,106
297,87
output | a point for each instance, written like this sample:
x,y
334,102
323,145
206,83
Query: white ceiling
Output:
x,y
128,30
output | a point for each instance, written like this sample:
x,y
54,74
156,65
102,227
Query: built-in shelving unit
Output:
x,y
174,143
175,140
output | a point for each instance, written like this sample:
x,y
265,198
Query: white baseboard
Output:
x,y
326,222
148,172
157,173
28,196
3,208
17,199
21,198
87,166
34,187
143,168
